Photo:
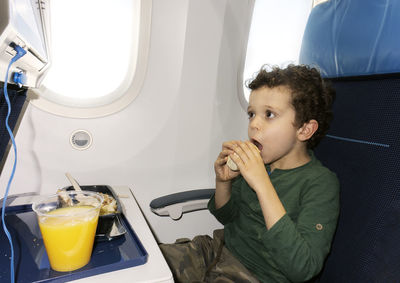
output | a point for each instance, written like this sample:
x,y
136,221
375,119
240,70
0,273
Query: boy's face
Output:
x,y
271,126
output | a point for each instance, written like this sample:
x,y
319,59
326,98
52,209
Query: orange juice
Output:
x,y
69,238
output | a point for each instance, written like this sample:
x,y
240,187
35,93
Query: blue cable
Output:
x,y
20,52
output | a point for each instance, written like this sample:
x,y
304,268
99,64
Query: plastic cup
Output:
x,y
68,222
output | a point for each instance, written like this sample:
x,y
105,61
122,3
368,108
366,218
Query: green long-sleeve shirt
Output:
x,y
294,249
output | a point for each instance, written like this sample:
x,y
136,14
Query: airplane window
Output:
x,y
95,48
275,35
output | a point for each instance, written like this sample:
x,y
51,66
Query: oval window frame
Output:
x,y
118,99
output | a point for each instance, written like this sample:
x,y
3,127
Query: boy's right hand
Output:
x,y
222,171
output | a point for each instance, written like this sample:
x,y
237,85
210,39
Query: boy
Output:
x,y
280,209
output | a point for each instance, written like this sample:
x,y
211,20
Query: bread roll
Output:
x,y
232,165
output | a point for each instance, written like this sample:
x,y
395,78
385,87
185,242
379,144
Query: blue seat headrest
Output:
x,y
353,37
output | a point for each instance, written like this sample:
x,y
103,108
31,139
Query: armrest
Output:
x,y
174,205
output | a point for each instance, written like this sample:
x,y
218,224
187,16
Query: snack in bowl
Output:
x,y
109,210
109,205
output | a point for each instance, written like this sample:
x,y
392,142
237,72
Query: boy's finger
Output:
x,y
244,151
221,160
254,149
230,144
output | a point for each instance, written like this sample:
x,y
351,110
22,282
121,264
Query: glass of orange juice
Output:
x,y
68,222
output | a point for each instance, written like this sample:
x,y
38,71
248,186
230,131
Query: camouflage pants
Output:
x,y
204,260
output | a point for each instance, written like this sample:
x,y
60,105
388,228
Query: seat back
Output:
x,y
362,147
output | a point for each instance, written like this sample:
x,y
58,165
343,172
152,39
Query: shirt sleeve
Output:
x,y
299,248
228,212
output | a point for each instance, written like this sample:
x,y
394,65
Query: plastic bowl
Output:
x,y
106,221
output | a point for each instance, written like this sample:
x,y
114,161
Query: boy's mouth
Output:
x,y
257,144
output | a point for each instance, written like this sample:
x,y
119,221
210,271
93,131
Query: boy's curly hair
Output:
x,y
312,97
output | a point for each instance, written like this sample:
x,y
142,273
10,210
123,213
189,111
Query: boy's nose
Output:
x,y
255,123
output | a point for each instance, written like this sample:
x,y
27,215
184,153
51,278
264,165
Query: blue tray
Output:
x,y
31,262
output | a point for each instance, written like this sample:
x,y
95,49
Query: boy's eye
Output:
x,y
269,114
250,114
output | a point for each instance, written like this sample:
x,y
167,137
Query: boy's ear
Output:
x,y
307,130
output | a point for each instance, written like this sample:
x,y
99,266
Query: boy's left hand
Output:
x,y
248,159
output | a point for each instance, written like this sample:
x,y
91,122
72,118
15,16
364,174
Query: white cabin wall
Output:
x,y
167,139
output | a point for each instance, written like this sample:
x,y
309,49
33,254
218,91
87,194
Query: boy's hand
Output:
x,y
247,157
222,171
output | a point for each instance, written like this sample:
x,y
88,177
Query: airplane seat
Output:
x,y
350,42
17,97
362,148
